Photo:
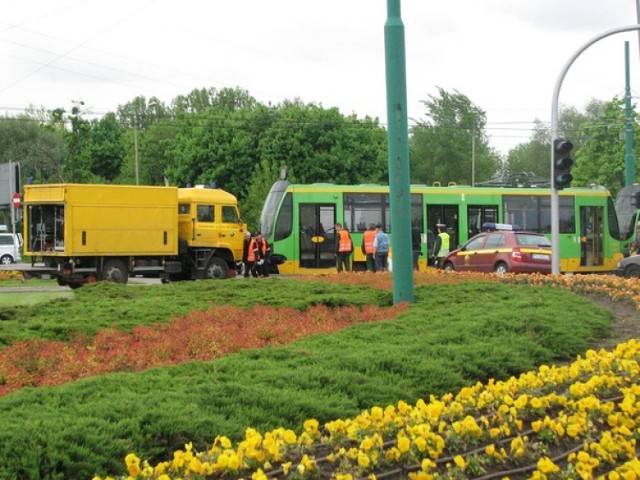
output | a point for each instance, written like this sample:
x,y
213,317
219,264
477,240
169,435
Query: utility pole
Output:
x,y
398,154
629,162
473,158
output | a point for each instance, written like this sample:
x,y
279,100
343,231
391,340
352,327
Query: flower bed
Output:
x,y
575,421
198,336
615,288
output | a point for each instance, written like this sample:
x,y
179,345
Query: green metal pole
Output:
x,y
398,154
629,162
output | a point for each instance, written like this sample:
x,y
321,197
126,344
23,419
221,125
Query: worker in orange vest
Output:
x,y
367,247
256,255
344,247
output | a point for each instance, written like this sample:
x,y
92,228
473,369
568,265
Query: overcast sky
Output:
x,y
505,55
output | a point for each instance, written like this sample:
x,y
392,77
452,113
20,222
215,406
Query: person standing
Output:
x,y
381,249
416,245
245,254
344,247
256,254
441,245
367,247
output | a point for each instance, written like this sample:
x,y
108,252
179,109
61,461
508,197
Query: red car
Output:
x,y
502,251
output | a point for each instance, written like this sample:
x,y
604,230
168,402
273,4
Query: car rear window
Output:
x,y
6,239
530,239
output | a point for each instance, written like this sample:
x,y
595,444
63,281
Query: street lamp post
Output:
x,y
555,216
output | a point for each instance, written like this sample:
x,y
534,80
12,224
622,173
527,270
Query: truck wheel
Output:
x,y
6,260
217,269
115,271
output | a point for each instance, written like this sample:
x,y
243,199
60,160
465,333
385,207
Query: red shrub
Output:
x,y
197,336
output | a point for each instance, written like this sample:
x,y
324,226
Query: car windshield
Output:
x,y
531,239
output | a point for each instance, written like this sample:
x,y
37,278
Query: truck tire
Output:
x,y
216,269
115,271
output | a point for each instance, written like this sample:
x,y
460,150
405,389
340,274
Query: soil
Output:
x,y
626,323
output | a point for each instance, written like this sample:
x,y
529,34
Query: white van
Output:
x,y
10,246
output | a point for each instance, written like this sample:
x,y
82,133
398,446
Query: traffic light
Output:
x,y
562,163
635,199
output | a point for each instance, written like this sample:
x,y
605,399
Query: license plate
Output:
x,y
539,256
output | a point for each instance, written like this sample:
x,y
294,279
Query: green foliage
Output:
x,y
532,156
39,151
599,152
441,149
109,305
103,149
601,160
438,345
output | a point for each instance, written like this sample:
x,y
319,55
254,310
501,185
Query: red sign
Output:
x,y
16,200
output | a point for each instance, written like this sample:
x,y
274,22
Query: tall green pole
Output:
x,y
630,174
398,154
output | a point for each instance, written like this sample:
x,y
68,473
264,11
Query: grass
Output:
x,y
107,305
31,298
453,335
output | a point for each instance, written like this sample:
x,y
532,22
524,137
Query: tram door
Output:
x,y
591,236
447,215
317,235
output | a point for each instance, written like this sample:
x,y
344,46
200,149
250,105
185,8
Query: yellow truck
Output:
x,y
82,233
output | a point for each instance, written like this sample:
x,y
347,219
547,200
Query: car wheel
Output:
x,y
632,271
501,268
6,260
448,267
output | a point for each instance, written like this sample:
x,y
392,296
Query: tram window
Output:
x,y
361,209
566,215
478,215
533,213
522,211
614,226
284,224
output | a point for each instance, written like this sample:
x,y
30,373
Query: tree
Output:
x,y
202,100
322,145
264,175
534,156
441,147
140,113
531,157
601,158
39,151
102,151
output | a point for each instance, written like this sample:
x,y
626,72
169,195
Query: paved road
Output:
x,y
26,288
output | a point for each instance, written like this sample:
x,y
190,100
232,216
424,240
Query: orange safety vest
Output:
x,y
367,238
253,246
344,243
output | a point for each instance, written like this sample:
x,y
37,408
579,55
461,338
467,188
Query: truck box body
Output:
x,y
101,220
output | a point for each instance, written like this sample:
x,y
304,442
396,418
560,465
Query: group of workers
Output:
x,y
375,247
255,255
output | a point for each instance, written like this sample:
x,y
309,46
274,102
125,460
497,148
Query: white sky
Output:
x,y
505,55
